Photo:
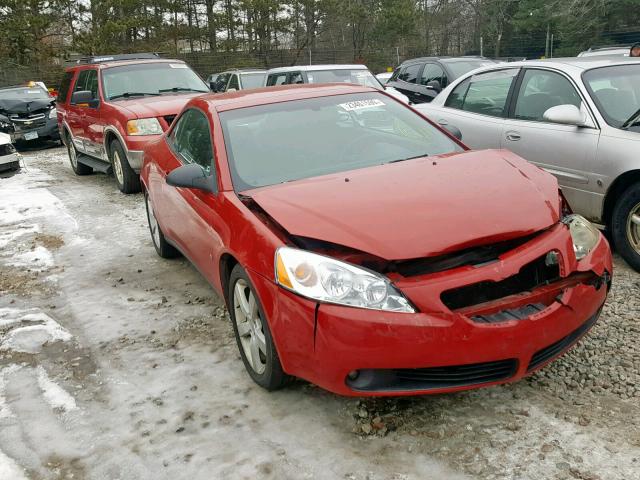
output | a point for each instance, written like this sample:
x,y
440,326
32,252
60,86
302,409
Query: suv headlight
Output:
x,y
144,126
584,234
53,113
328,280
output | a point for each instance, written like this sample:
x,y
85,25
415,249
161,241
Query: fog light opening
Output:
x,y
353,374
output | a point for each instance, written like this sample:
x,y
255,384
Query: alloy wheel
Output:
x,y
117,167
72,156
633,227
249,325
153,223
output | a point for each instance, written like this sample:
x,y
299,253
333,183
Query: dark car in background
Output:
x,y
421,79
238,79
30,113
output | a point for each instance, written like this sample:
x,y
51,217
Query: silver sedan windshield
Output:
x,y
616,92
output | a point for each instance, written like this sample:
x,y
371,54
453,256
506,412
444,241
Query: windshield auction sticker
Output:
x,y
178,65
360,104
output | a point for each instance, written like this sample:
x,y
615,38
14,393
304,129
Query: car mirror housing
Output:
x,y
192,175
566,115
434,85
82,96
453,130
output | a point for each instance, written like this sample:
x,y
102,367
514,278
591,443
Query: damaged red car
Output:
x,y
362,248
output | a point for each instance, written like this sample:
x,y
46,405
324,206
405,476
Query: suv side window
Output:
x,y
191,139
234,83
221,82
295,78
485,93
541,90
410,74
64,90
92,83
81,81
433,72
277,79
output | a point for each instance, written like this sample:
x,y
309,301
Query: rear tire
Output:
x,y
625,226
163,248
78,168
252,332
128,181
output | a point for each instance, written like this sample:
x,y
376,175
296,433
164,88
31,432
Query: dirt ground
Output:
x,y
116,364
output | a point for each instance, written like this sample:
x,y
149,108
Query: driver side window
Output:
x,y
191,139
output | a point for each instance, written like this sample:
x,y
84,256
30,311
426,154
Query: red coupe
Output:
x,y
361,247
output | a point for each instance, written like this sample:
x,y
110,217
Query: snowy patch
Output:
x,y
56,396
8,237
9,469
38,258
41,329
5,411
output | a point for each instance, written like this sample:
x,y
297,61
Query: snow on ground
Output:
x,y
116,364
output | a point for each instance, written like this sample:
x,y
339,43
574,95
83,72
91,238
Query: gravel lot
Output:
x,y
115,364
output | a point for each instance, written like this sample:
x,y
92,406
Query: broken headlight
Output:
x,y
584,234
328,280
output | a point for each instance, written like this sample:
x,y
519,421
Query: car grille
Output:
x,y
529,277
434,377
555,349
24,123
517,313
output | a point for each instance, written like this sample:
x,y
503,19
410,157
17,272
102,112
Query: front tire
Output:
x,y
252,332
625,226
78,168
163,248
127,179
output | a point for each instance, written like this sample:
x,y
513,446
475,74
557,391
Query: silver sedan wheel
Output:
x,y
117,167
249,324
633,228
153,223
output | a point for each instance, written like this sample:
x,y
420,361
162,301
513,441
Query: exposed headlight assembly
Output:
x,y
53,113
584,234
328,280
144,126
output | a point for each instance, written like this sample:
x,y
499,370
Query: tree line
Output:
x,y
40,30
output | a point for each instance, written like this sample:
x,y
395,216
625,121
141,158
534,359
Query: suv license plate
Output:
x,y
31,135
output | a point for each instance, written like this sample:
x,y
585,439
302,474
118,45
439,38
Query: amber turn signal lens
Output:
x,y
281,273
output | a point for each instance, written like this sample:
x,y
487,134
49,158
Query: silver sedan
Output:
x,y
577,118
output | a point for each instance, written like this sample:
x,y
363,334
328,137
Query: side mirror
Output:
x,y
455,131
565,115
434,85
82,96
192,175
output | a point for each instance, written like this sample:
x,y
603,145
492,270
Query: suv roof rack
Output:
x,y
114,58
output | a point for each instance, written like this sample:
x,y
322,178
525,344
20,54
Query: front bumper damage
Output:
x,y
31,129
442,348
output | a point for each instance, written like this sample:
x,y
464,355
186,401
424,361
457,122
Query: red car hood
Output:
x,y
419,208
146,107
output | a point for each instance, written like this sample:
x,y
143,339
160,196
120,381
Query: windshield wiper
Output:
x,y
631,120
133,94
181,89
409,158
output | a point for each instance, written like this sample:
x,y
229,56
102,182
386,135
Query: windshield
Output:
x,y
24,93
616,92
281,142
358,76
253,80
150,78
459,68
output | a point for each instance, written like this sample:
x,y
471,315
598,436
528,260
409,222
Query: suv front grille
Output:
x,y
23,123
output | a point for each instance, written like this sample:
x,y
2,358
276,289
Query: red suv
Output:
x,y
109,107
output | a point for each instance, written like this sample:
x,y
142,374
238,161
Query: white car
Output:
x,y
577,118
384,77
9,159
358,74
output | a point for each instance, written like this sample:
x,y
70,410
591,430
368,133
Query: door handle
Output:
x,y
513,136
443,122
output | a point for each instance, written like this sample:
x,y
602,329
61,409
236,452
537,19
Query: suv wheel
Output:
x,y
252,332
78,168
128,181
625,226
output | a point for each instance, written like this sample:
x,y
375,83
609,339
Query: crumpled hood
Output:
x,y
20,106
419,208
146,107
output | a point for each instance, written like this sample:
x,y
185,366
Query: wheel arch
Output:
x,y
227,263
616,189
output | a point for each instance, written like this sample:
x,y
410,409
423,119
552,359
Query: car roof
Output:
x,y
446,59
313,68
576,63
120,63
282,93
